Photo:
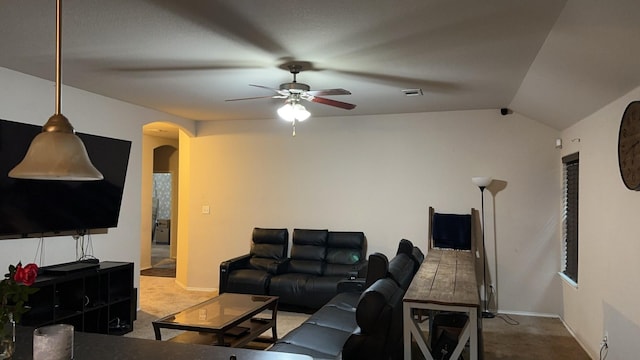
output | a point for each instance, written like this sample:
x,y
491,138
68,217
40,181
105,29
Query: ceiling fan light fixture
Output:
x,y
293,111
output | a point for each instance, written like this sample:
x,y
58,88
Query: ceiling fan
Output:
x,y
295,91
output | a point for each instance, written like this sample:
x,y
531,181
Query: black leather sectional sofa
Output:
x,y
366,325
304,280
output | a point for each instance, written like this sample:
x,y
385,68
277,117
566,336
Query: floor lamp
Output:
x,y
482,182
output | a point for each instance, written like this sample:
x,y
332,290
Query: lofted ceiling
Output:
x,y
553,61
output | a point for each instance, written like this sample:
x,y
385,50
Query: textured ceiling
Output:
x,y
551,60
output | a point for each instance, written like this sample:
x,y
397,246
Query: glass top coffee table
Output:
x,y
228,319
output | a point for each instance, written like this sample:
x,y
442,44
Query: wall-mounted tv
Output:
x,y
34,208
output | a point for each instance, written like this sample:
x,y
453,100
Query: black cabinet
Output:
x,y
98,298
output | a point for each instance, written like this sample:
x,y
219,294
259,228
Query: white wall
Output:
x,y
30,100
379,174
606,299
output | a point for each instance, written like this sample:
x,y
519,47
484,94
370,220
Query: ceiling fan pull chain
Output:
x,y
294,127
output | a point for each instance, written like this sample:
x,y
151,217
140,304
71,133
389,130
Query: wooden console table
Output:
x,y
446,281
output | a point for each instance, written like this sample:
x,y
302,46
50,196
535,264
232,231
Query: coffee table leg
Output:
x,y
274,315
156,330
220,336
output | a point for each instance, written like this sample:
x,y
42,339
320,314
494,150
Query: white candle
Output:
x,y
53,342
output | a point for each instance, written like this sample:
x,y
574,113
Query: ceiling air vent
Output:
x,y
412,92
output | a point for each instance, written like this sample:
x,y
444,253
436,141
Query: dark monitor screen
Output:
x,y
29,207
452,231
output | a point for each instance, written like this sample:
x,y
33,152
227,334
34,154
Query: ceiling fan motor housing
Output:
x,y
295,87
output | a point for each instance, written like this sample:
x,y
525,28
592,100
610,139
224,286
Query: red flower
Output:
x,y
26,275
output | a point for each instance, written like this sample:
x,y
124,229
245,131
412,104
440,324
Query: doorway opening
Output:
x,y
162,263
159,240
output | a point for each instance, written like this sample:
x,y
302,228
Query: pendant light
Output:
x,y
57,153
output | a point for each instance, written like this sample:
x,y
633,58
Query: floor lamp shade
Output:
x,y
481,181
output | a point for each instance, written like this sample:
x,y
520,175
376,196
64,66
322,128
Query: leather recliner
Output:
x,y
251,273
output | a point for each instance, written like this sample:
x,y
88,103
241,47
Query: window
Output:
x,y
571,166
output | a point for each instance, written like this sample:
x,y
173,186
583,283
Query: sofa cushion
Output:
x,y
290,287
374,309
418,257
319,339
377,268
270,236
401,270
345,253
297,349
268,246
308,251
269,243
323,289
269,265
335,317
310,237
306,267
405,247
345,247
248,281
345,301
267,251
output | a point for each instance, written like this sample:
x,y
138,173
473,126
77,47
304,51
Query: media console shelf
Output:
x,y
96,298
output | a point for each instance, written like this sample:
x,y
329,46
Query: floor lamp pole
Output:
x,y
486,313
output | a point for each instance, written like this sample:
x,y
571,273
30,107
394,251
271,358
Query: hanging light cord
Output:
x,y
58,53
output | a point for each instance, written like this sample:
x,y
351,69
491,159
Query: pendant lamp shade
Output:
x,y
57,153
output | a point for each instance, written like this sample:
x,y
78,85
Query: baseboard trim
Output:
x,y
529,313
191,288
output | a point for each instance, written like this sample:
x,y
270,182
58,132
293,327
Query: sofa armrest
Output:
x,y
227,266
351,285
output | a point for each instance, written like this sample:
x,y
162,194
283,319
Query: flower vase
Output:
x,y
8,338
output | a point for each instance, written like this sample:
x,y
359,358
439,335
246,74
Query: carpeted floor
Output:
x,y
505,337
161,263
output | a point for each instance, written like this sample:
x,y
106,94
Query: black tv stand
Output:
x,y
89,296
69,267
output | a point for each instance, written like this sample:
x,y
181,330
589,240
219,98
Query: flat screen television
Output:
x,y
34,208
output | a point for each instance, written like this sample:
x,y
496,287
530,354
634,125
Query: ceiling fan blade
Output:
x,y
329,92
404,82
258,97
269,88
331,102
181,65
